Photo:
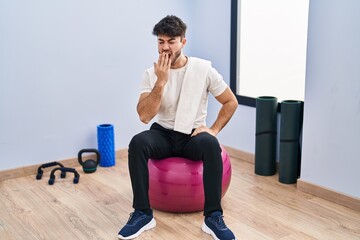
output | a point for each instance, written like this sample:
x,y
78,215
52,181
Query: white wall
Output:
x,y
67,66
332,97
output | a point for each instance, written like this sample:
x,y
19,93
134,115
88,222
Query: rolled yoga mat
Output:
x,y
106,146
265,137
290,149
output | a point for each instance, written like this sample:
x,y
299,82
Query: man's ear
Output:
x,y
183,41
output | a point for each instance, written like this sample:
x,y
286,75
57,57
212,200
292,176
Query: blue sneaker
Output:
x,y
215,226
138,222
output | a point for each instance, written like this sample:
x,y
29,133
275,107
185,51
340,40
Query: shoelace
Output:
x,y
219,222
134,217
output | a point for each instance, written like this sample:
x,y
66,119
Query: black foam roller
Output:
x,y
265,135
290,148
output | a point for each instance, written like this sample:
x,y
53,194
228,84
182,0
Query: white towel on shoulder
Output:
x,y
190,95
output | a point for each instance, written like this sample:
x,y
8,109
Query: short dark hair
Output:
x,y
170,26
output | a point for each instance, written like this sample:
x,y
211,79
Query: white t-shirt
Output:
x,y
170,97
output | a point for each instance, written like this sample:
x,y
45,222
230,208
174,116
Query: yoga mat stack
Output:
x,y
290,149
265,137
106,146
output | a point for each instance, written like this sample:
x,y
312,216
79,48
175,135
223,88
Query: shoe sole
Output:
x,y
148,226
207,230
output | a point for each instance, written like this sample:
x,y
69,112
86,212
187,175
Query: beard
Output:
x,y
175,57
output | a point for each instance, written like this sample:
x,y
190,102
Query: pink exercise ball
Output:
x,y
176,184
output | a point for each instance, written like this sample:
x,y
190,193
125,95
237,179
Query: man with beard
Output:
x,y
176,90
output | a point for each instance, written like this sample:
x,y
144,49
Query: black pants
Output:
x,y
159,142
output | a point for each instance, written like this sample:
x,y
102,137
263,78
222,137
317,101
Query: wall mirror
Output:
x,y
268,49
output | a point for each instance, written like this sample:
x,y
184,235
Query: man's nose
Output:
x,y
166,47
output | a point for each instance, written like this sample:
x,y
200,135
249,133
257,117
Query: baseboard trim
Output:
x,y
241,155
32,169
328,194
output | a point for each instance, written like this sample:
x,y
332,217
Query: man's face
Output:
x,y
171,45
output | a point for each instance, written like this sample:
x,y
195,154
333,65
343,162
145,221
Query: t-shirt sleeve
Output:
x,y
145,85
217,84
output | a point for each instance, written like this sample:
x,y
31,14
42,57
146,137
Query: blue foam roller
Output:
x,y
106,145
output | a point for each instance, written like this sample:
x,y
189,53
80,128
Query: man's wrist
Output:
x,y
214,130
160,83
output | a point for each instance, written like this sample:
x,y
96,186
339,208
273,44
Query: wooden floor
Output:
x,y
255,207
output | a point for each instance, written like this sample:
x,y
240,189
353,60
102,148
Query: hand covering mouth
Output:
x,y
168,54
